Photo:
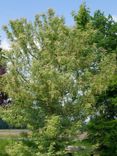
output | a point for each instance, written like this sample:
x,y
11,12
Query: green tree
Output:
x,y
54,73
102,125
83,17
106,35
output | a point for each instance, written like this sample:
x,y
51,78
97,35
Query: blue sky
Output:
x,y
12,9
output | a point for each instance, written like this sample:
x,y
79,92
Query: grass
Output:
x,y
3,144
8,136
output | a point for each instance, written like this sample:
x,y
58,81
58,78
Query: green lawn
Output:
x,y
8,136
3,144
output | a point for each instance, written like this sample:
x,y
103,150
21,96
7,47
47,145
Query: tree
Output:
x,y
83,17
53,76
102,125
106,35
3,95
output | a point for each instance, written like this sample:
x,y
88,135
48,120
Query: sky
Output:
x,y
13,9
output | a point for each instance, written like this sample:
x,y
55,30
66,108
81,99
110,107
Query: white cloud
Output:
x,y
5,44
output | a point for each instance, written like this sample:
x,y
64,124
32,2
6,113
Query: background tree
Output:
x,y
102,127
106,35
83,17
3,95
103,123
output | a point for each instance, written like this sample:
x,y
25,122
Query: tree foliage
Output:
x,y
54,75
102,127
103,123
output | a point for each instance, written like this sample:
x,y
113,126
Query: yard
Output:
x,y
8,136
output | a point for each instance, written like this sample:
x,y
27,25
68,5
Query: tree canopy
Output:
x,y
56,75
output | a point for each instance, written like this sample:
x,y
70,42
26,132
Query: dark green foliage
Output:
x,y
107,102
103,125
103,133
106,31
102,128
